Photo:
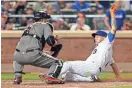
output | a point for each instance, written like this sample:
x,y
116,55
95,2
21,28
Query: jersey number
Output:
x,y
94,51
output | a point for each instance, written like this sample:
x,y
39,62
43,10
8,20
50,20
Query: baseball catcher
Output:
x,y
29,50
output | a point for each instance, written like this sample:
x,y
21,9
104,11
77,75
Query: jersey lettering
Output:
x,y
95,50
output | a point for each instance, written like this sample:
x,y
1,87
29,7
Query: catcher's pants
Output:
x,y
36,58
79,71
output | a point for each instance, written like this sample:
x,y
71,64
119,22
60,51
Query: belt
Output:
x,y
28,50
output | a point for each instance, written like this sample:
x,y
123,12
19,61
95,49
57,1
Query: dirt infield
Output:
x,y
40,84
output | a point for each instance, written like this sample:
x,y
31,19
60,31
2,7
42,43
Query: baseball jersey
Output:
x,y
40,29
120,17
101,56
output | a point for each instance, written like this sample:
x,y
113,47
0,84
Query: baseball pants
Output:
x,y
36,58
79,71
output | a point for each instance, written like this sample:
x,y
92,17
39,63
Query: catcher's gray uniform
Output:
x,y
29,50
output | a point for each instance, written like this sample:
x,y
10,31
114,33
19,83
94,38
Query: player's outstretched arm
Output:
x,y
113,9
111,34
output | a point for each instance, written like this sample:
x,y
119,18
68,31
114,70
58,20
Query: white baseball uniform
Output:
x,y
100,57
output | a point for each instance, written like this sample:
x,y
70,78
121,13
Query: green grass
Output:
x,y
111,75
26,77
120,87
35,77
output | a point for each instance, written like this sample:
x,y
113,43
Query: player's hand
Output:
x,y
118,78
113,9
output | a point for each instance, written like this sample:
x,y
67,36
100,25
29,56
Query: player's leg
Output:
x,y
18,68
69,76
85,68
82,68
76,77
46,61
66,68
72,66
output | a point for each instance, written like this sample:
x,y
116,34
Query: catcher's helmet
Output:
x,y
41,15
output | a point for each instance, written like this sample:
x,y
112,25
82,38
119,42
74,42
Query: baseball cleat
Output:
x,y
50,80
95,79
17,80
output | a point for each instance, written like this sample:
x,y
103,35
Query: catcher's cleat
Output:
x,y
50,80
42,77
17,80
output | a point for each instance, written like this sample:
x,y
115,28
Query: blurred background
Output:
x,y
66,15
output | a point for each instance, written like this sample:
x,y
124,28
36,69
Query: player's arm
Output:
x,y
52,41
111,34
48,35
116,70
113,9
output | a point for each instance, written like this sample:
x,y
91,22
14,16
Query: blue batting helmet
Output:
x,y
100,33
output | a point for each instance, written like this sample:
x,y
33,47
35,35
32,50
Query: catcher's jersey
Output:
x,y
101,56
43,30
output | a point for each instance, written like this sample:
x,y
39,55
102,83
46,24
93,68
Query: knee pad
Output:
x,y
59,62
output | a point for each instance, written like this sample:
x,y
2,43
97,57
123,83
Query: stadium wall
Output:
x,y
76,45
